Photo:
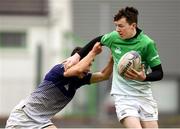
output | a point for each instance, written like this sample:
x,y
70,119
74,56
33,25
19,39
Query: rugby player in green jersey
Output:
x,y
134,102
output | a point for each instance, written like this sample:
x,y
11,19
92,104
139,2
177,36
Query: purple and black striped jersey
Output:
x,y
67,85
53,94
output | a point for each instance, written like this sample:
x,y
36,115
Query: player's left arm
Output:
x,y
155,75
153,59
104,74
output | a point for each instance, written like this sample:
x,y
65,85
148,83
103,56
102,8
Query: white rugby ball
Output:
x,y
131,59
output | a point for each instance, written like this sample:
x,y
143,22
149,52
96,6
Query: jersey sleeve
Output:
x,y
152,55
87,48
108,38
55,73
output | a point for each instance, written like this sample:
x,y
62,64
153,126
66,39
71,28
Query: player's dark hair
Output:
x,y
130,13
76,49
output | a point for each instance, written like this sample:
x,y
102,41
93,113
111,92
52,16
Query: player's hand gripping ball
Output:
x,y
130,59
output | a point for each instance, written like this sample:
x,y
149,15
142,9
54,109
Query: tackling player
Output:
x,y
55,92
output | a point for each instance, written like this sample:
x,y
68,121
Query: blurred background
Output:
x,y
37,34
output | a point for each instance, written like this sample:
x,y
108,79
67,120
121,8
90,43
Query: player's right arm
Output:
x,y
104,74
154,62
82,53
104,39
84,65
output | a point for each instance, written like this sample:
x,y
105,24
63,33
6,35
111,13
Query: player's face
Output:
x,y
125,29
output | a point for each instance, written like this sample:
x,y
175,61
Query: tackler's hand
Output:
x,y
97,49
69,62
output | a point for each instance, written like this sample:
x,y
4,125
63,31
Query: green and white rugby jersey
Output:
x,y
150,58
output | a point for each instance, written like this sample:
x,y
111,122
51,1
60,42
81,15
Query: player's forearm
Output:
x,y
99,76
107,73
86,61
87,48
73,71
155,75
104,74
80,67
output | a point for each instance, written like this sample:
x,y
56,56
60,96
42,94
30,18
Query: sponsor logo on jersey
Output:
x,y
118,50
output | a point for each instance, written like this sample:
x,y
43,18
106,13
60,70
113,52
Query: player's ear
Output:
x,y
134,25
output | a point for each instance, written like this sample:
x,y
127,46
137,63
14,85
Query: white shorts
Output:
x,y
143,108
18,119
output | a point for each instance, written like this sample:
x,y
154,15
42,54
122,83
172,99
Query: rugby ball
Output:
x,y
131,59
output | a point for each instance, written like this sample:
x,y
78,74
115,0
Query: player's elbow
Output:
x,y
106,76
79,71
161,75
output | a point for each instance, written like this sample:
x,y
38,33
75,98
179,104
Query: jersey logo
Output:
x,y
148,115
122,113
118,50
